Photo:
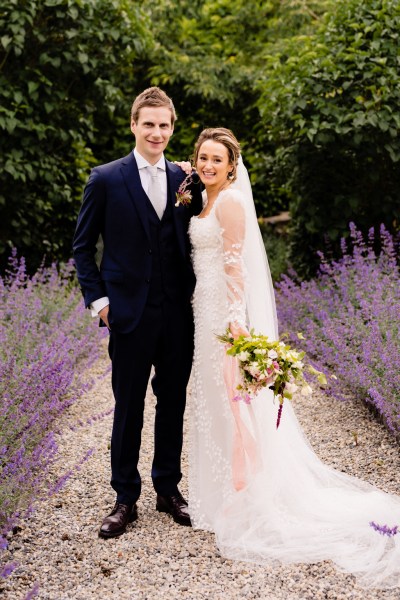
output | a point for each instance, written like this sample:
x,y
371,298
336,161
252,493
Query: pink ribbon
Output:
x,y
245,449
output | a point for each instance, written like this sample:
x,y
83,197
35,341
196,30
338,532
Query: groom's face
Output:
x,y
152,131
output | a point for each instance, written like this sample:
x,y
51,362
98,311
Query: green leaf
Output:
x,y
5,41
83,57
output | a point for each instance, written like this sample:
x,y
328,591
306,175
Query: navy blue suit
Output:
x,y
147,275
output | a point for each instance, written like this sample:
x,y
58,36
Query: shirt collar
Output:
x,y
142,163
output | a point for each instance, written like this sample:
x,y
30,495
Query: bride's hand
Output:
x,y
237,330
185,165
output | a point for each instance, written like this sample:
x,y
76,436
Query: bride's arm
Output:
x,y
231,216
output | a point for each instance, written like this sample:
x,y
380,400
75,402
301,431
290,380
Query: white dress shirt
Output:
x,y
144,175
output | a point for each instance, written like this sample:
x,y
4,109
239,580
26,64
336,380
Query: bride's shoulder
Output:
x,y
230,207
231,195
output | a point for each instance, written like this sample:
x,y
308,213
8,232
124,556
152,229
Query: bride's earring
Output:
x,y
230,175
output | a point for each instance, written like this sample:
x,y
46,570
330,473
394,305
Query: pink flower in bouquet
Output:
x,y
272,364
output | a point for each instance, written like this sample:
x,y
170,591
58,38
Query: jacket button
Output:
x,y
150,250
147,280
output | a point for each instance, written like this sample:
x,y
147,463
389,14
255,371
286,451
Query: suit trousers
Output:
x,y
163,339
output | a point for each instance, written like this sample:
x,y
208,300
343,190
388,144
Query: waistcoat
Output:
x,y
168,270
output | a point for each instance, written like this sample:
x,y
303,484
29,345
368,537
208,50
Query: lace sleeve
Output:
x,y
231,216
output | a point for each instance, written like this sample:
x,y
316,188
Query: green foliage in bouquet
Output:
x,y
267,363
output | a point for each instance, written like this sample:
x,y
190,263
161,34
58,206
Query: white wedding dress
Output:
x,y
264,492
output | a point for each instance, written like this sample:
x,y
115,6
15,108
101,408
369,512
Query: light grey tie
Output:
x,y
154,192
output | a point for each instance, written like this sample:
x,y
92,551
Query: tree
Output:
x,y
69,70
209,55
330,106
61,67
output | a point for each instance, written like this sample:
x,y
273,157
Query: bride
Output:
x,y
262,491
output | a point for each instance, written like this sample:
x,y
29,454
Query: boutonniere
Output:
x,y
183,195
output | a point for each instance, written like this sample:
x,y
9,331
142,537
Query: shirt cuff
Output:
x,y
98,305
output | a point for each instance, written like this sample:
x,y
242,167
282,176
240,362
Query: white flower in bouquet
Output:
x,y
264,363
291,387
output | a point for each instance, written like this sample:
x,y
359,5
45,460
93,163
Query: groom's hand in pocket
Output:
x,y
103,314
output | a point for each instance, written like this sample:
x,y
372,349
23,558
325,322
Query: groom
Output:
x,y
142,292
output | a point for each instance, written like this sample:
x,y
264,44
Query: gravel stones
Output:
x,y
58,546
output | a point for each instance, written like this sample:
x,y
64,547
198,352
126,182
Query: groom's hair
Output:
x,y
153,96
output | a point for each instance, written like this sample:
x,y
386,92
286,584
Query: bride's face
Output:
x,y
213,164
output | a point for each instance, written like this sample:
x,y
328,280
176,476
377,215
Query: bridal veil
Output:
x,y
294,508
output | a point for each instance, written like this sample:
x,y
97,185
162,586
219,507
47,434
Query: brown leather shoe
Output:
x,y
117,521
176,506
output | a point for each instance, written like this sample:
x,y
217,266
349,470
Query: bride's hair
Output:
x,y
223,136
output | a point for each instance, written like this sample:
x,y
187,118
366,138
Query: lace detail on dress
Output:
x,y
218,299
229,213
291,508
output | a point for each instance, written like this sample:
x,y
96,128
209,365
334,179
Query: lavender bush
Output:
x,y
350,317
46,343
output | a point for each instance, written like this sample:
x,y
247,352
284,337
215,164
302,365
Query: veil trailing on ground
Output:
x,y
296,509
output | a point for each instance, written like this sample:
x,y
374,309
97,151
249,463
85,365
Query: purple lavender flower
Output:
x,y
3,543
350,318
47,341
384,529
7,569
33,592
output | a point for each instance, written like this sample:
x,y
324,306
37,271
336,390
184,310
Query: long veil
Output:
x,y
296,509
260,298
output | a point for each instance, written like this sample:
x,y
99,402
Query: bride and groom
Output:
x,y
168,265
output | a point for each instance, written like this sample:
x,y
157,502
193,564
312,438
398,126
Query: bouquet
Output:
x,y
273,364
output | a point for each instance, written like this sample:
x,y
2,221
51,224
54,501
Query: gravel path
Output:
x,y
58,547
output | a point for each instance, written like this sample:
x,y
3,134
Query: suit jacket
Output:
x,y
114,206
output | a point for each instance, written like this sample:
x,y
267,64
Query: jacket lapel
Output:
x,y
131,177
174,179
